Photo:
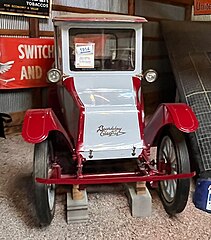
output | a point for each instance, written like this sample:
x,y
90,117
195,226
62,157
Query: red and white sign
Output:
x,y
202,7
24,62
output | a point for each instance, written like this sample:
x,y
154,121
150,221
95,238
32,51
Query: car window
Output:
x,y
102,49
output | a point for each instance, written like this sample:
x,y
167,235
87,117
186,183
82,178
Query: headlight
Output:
x,y
150,75
54,75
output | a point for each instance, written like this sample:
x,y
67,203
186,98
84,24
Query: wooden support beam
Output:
x,y
14,32
33,27
61,8
188,13
131,7
46,33
175,2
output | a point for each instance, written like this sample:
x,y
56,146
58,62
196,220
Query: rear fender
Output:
x,y
178,114
38,123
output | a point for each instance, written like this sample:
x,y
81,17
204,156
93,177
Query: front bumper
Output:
x,y
87,179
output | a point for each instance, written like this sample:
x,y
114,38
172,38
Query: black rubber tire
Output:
x,y
178,151
43,155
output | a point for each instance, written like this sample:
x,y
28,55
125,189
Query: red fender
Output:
x,y
178,114
38,123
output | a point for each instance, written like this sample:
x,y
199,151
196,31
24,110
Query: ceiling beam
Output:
x,y
175,2
62,8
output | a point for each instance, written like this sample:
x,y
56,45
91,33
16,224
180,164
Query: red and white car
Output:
x,y
97,118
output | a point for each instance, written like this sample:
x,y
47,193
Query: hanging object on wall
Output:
x,y
24,62
31,8
202,7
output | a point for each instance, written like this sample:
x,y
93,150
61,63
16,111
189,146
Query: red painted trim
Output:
x,y
69,85
111,178
178,114
136,87
139,104
38,123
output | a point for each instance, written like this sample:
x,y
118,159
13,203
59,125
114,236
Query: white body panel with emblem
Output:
x,y
111,128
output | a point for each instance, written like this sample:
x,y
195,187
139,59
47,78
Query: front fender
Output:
x,y
178,114
38,123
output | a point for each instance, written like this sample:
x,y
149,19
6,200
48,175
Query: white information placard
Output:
x,y
84,55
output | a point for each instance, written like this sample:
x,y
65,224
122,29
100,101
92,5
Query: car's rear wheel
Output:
x,y
44,193
173,158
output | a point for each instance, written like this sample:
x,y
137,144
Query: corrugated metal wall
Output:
x,y
16,100
13,22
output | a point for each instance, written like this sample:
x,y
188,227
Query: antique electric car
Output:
x,y
94,131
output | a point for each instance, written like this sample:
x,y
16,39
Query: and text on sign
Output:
x,y
34,52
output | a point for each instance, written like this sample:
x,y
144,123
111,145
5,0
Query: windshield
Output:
x,y
102,49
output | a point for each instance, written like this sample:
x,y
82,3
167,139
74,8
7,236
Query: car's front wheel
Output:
x,y
173,158
44,193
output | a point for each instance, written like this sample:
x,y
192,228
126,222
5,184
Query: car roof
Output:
x,y
93,17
